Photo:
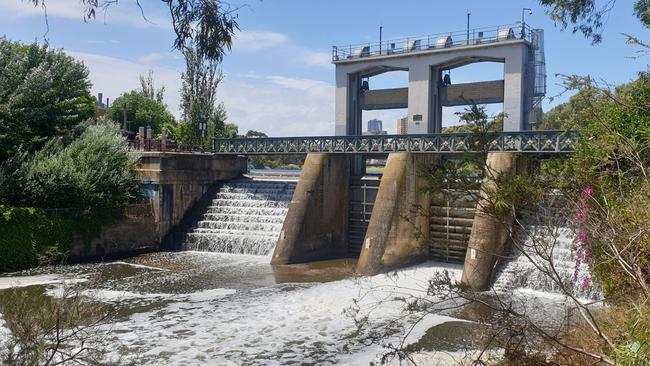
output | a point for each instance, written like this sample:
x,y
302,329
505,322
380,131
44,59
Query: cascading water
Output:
x,y
245,217
530,268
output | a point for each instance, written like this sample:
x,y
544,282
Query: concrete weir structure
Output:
x,y
175,182
401,227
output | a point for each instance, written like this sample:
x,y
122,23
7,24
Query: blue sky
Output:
x,y
278,76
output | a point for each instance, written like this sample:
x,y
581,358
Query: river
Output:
x,y
195,308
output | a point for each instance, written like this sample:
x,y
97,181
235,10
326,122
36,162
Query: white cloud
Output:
x,y
317,59
277,105
149,58
280,106
253,41
114,76
124,13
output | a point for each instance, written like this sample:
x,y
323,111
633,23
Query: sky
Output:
x,y
278,76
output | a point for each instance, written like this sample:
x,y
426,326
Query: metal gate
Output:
x,y
363,192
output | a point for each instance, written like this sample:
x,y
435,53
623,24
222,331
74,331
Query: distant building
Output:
x,y
375,127
402,126
100,107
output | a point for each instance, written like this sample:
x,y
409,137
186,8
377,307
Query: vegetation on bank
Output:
x,y
30,237
43,93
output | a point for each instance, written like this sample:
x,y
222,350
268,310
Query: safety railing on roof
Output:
x,y
430,42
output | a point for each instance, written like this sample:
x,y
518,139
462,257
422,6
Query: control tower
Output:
x,y
427,60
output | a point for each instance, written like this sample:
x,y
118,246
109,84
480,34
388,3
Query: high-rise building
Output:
x,y
375,126
402,126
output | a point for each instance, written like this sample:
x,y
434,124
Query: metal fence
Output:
x,y
452,143
429,42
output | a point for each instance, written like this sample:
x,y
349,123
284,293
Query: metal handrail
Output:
x,y
445,143
429,42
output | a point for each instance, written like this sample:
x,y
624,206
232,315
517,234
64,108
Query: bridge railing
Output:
x,y
451,143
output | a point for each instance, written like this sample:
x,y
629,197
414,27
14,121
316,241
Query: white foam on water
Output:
x,y
25,281
276,325
134,265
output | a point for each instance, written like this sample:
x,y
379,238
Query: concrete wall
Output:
x,y
175,182
489,233
134,232
422,83
315,227
398,231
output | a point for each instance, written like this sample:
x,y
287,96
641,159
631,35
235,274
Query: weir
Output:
x,y
337,210
244,217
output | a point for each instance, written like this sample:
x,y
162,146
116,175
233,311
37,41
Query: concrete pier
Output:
x,y
399,227
489,233
316,225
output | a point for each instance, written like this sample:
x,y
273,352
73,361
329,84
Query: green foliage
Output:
x,y
140,111
93,172
475,119
198,95
28,237
43,93
586,17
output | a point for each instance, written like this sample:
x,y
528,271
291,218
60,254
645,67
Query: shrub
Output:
x,y
93,172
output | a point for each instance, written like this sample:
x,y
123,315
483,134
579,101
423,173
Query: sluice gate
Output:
x,y
450,224
363,192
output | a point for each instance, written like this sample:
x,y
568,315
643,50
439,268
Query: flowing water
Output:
x,y
245,217
220,302
530,269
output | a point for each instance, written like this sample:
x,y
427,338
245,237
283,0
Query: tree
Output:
x,y
252,133
198,94
43,93
586,17
93,172
140,111
207,24
148,89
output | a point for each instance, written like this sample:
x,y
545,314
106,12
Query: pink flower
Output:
x,y
585,283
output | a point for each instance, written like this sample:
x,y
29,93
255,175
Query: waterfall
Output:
x,y
245,217
535,244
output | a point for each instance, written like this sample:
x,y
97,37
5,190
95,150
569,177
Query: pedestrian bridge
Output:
x,y
535,142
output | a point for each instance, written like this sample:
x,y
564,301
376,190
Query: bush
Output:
x,y
93,172
28,237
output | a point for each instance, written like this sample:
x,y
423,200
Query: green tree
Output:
x,y
587,17
43,93
148,89
252,133
198,95
140,110
93,172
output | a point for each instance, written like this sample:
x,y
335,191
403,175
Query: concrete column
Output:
x,y
399,225
489,233
418,98
435,108
341,104
514,91
315,227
